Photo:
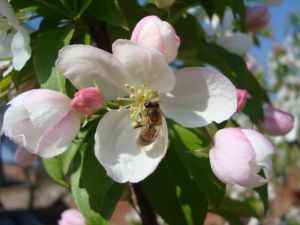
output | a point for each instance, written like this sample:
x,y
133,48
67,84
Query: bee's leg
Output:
x,y
136,124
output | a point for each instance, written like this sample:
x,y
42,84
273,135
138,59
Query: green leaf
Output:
x,y
54,169
46,52
195,162
238,208
254,110
231,218
108,11
129,6
82,197
104,193
101,194
263,194
55,82
242,77
59,166
183,202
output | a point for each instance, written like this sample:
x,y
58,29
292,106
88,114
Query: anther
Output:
x,y
127,85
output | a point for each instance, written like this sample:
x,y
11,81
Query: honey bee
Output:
x,y
151,123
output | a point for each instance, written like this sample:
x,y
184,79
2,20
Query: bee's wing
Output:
x,y
160,144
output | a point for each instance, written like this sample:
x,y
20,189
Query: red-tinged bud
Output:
x,y
256,18
242,96
87,101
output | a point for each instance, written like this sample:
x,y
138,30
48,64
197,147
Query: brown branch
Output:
x,y
98,30
147,213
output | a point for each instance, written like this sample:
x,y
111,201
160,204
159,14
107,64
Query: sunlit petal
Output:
x,y
200,96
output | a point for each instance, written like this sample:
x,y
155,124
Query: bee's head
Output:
x,y
149,104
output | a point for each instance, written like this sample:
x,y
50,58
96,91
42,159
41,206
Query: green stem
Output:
x,y
58,10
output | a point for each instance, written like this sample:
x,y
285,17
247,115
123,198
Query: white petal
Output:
x,y
20,48
58,137
238,43
117,150
200,96
5,46
263,149
86,65
145,65
18,127
7,11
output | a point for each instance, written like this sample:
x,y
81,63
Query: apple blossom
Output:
x,y
87,100
154,33
71,217
41,121
193,97
14,39
242,96
236,42
257,17
221,31
24,158
276,122
239,154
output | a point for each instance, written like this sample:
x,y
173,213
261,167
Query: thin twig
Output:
x,y
148,215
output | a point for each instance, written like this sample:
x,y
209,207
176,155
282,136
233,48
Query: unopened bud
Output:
x,y
87,101
276,122
256,18
242,96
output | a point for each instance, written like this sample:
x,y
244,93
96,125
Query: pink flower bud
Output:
x,y
276,122
24,158
71,217
239,154
257,17
242,96
160,35
87,101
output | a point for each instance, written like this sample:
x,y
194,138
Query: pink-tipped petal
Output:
x,y
57,139
239,154
41,121
230,162
71,217
154,33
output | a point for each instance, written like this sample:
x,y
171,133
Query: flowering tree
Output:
x,y
123,101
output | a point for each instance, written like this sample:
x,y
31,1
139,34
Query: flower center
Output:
x,y
137,97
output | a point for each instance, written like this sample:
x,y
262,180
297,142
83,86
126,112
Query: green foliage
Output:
x,y
49,43
108,11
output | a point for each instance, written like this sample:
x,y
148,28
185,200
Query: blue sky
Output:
x,y
279,26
